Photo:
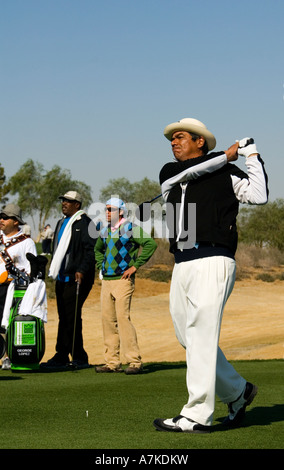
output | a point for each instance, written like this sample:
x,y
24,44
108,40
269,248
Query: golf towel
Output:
x,y
33,303
62,246
8,304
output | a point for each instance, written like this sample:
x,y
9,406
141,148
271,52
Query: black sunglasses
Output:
x,y
67,200
112,209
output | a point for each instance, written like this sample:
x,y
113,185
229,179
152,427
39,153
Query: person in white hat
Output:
x,y
204,271
73,268
118,259
14,245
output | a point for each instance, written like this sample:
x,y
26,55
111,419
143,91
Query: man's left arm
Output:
x,y
88,258
26,246
148,248
250,188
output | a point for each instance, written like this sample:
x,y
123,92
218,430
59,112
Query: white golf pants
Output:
x,y
199,291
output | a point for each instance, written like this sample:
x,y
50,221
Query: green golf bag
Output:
x,y
25,335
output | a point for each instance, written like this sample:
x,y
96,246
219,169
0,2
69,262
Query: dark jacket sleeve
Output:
x,y
80,254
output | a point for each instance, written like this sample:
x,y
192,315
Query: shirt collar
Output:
x,y
118,224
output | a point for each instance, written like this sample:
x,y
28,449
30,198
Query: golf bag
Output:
x,y
25,335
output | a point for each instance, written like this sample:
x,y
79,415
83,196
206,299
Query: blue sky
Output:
x,y
90,85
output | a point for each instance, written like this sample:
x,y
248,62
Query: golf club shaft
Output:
x,y
75,319
155,198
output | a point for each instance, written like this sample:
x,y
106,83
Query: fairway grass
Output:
x,y
85,410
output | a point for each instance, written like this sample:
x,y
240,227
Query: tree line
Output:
x,y
36,191
262,225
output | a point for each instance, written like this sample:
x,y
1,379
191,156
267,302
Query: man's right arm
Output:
x,y
99,252
179,172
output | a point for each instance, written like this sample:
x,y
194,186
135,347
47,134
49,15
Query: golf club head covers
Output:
x,y
247,147
38,265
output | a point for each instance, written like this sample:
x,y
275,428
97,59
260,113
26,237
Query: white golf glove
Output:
x,y
246,147
101,275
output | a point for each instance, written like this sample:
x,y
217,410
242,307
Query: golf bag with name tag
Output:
x,y
25,335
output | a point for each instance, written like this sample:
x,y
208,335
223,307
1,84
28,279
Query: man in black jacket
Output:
x,y
73,267
204,271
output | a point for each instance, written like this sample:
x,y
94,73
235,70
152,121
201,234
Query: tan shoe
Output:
x,y
132,370
107,369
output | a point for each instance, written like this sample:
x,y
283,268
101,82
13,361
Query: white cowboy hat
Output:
x,y
191,125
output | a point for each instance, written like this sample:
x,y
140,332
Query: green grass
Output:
x,y
48,410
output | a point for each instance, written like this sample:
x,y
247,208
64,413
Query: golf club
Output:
x,y
141,208
72,364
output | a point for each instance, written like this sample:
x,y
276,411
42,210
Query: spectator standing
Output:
x,y
73,268
118,259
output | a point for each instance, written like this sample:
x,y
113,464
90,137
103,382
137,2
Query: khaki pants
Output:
x,y
118,329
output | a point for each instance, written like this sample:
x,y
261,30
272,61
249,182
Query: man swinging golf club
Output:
x,y
204,274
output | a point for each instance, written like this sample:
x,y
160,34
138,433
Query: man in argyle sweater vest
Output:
x,y
118,259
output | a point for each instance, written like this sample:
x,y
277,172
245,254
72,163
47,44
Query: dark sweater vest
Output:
x,y
216,208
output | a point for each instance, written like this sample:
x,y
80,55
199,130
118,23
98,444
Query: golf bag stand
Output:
x,y
25,335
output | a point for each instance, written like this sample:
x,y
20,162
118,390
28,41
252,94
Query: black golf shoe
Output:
x,y
180,424
237,408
